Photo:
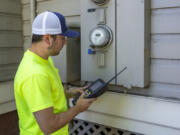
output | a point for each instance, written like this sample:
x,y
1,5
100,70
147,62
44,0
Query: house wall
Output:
x,y
11,50
165,81
165,64
165,56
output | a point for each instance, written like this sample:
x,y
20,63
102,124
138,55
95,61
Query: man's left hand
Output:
x,y
72,93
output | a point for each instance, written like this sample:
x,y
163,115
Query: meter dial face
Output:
x,y
100,36
100,2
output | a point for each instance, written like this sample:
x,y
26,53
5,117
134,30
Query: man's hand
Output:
x,y
74,92
83,103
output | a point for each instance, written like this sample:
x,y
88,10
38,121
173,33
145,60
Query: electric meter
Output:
x,y
100,36
100,2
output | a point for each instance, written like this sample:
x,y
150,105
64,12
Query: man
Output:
x,y
39,94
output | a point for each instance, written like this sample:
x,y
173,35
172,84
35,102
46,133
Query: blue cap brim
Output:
x,y
70,34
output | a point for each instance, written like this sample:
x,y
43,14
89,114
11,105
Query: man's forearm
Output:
x,y
50,122
60,120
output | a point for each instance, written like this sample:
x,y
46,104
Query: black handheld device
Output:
x,y
96,88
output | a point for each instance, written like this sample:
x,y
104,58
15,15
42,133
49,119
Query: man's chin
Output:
x,y
55,54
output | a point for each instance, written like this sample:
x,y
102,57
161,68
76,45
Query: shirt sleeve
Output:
x,y
37,93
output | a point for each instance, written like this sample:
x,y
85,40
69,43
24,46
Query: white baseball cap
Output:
x,y
52,23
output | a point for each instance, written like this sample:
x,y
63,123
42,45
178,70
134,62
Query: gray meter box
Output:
x,y
101,64
128,21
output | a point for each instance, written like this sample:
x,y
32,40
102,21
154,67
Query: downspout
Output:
x,y
32,9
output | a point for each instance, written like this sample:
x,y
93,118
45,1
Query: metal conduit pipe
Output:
x,y
32,9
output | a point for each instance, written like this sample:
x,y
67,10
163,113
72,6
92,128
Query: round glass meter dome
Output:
x,y
100,36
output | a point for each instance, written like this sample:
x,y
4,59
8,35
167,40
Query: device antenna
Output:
x,y
116,75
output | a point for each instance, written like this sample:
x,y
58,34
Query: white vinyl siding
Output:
x,y
26,22
11,50
10,38
66,7
165,45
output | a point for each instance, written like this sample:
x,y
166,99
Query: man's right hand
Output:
x,y
83,103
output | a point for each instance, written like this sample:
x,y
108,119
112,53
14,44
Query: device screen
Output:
x,y
96,85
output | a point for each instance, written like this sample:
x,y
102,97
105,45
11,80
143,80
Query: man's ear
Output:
x,y
47,39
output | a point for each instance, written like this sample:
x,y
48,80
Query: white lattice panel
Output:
x,y
79,127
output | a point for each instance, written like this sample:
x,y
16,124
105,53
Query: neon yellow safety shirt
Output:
x,y
37,86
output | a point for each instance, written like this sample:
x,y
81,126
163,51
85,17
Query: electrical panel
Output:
x,y
133,41
115,34
97,39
